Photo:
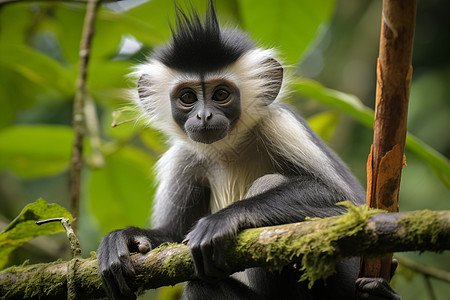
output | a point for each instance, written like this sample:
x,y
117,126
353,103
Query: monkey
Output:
x,y
239,158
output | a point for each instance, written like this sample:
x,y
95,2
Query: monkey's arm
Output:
x,y
292,201
175,212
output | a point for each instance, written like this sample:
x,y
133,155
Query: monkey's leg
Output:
x,y
226,289
265,183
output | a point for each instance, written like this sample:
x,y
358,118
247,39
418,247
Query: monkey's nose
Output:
x,y
204,116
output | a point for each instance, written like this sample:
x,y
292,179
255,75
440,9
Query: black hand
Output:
x,y
375,289
206,242
114,260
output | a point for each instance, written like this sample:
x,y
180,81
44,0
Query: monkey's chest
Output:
x,y
230,181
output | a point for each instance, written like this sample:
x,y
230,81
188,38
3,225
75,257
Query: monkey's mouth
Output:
x,y
207,135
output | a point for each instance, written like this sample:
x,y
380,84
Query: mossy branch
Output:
x,y
313,245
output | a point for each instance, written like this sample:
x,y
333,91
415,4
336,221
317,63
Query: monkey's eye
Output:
x,y
221,95
188,98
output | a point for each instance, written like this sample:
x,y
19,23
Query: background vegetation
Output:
x,y
335,43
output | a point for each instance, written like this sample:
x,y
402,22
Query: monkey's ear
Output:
x,y
143,87
274,77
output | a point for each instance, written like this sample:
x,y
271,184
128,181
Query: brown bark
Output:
x,y
386,158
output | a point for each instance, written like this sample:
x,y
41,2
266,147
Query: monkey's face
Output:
x,y
206,110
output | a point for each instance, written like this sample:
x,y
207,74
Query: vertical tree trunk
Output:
x,y
394,73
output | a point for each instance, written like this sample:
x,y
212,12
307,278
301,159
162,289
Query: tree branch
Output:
x,y
426,270
314,245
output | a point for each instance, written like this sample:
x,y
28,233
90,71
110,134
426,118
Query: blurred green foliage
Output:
x,y
333,43
33,151
24,228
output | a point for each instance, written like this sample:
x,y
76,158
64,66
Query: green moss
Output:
x,y
172,263
41,283
421,225
90,277
318,249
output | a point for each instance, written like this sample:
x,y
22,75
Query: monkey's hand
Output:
x,y
368,288
206,242
375,289
114,259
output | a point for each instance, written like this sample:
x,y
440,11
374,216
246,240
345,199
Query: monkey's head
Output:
x,y
207,82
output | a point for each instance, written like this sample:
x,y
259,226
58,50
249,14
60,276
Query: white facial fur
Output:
x,y
246,73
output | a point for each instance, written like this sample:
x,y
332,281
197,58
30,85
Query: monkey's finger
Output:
x,y
394,265
375,288
219,258
124,289
211,270
366,296
198,261
123,266
116,285
126,268
143,244
117,274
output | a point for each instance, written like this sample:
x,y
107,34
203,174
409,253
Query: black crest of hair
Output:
x,y
201,45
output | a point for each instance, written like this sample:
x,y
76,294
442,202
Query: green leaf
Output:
x,y
37,68
16,17
113,28
324,124
67,22
291,25
8,90
35,151
120,24
17,93
23,228
155,16
353,107
439,163
349,104
124,187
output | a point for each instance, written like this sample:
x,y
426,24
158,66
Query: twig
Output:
x,y
115,124
430,289
78,109
423,269
93,128
72,237
76,255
